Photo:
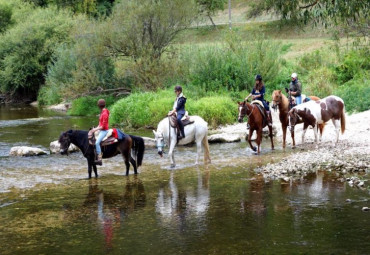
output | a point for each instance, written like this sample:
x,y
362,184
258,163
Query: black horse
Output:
x,y
124,147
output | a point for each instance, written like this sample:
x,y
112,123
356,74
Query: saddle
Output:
x,y
186,120
261,108
107,140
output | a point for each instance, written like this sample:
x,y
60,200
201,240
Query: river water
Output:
x,y
48,206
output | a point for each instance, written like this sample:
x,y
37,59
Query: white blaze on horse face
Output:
x,y
240,111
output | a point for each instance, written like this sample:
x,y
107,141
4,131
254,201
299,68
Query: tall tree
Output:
x,y
210,7
325,12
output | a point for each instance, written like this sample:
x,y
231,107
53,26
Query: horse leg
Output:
x,y
254,148
305,126
259,140
283,127
89,168
336,124
127,163
95,170
170,152
270,135
199,149
133,163
292,135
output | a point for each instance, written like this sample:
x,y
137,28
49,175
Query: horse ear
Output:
x,y
155,133
279,91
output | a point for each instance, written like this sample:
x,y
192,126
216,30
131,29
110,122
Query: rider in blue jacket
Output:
x,y
258,93
179,108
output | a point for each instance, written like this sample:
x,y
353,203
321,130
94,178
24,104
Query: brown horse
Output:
x,y
130,145
281,101
256,123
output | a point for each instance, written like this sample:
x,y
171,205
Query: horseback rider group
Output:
x,y
258,92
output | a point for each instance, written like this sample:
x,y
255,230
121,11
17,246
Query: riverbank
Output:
x,y
351,156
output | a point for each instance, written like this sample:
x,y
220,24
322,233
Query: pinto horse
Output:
x,y
282,102
256,123
313,113
196,131
124,147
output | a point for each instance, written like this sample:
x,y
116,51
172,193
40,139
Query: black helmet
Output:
x,y
258,77
178,88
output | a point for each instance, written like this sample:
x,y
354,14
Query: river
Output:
x,y
47,206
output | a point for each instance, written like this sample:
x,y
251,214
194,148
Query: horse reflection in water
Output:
x,y
177,208
112,208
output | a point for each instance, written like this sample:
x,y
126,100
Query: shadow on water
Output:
x,y
47,207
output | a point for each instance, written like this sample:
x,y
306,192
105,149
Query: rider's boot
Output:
x,y
99,160
182,132
269,118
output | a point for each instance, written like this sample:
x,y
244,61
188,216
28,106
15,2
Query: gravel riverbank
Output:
x,y
350,158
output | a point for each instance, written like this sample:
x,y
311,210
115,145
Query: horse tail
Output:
x,y
138,147
343,121
206,149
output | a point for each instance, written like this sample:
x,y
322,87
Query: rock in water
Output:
x,y
26,151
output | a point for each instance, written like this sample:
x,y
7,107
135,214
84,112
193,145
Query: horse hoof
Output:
x,y
173,165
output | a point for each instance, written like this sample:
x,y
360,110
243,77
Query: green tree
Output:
x,y
146,27
210,7
317,11
26,49
5,17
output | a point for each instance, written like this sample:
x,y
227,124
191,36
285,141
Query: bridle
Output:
x,y
248,115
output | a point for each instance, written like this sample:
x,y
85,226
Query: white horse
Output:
x,y
196,131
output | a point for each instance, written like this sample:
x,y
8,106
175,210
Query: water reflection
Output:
x,y
177,206
109,209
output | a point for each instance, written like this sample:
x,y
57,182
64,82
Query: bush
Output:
x,y
27,47
216,110
148,109
86,106
356,94
319,82
230,66
354,62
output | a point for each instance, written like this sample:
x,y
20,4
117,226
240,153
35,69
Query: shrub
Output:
x,y
230,66
354,62
86,106
319,82
356,94
216,110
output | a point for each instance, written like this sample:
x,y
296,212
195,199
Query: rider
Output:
x,y
179,108
258,93
295,89
103,127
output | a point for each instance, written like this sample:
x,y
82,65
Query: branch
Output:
x,y
310,5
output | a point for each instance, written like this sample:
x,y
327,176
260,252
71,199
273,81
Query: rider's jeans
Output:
x,y
101,135
298,99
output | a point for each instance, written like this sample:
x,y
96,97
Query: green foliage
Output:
x,y
353,63
231,66
27,47
148,109
320,11
319,82
210,7
216,110
87,106
82,66
356,93
5,17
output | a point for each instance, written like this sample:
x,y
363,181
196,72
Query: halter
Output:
x,y
248,115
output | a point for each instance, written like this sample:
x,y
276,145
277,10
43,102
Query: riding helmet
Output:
x,y
101,103
178,88
258,77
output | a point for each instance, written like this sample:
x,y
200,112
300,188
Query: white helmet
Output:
x,y
294,75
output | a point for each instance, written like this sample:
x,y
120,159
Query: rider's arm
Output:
x,y
246,99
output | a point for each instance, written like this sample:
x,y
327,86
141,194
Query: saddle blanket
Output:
x,y
114,135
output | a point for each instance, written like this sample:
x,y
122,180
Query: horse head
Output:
x,y
277,99
242,111
159,141
294,118
65,142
